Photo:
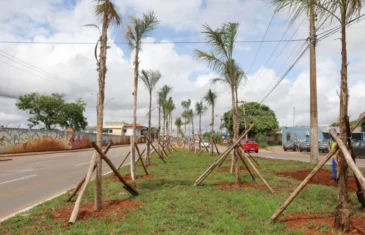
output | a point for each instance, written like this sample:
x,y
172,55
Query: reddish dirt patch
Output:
x,y
227,169
113,208
129,177
321,223
233,185
322,177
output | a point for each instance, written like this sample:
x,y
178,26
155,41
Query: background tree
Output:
x,y
52,110
162,97
261,115
199,110
134,34
178,124
150,79
210,97
190,114
186,106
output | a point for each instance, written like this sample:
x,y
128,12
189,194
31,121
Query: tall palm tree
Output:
x,y
199,110
190,114
186,106
168,107
106,11
162,97
134,34
210,97
150,79
343,11
222,42
178,124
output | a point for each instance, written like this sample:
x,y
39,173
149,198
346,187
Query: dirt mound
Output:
x,y
233,185
129,177
321,223
110,207
227,169
323,177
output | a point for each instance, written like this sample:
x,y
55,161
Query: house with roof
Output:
x,y
140,130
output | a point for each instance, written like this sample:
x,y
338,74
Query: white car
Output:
x,y
205,143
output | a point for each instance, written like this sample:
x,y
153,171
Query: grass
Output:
x,y
171,205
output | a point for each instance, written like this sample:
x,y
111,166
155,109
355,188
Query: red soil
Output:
x,y
313,223
233,185
114,208
322,177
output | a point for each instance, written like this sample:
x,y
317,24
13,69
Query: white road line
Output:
x,y
84,163
26,170
38,162
26,177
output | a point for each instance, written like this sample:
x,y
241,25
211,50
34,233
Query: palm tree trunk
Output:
x,y
159,129
342,219
133,160
211,132
200,132
235,159
192,130
100,112
163,129
148,160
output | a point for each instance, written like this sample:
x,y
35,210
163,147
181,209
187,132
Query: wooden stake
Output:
x,y
155,150
76,209
258,173
115,171
253,159
121,164
83,180
349,159
216,146
140,157
244,163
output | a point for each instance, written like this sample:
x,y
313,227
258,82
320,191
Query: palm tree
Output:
x,y
109,15
134,34
343,11
186,106
190,114
162,97
168,107
150,79
222,42
178,124
210,98
199,110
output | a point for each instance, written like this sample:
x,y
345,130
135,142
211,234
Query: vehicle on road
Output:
x,y
250,145
359,148
205,143
324,146
305,146
290,145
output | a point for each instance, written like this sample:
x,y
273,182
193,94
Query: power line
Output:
x,y
286,73
267,29
161,42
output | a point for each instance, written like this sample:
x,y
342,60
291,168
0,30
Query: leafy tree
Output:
x,y
53,110
150,79
261,115
210,97
134,34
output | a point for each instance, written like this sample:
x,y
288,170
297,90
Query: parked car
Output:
x,y
290,145
305,146
359,148
250,145
324,146
205,143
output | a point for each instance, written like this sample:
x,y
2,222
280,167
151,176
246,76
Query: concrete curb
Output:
x,y
53,152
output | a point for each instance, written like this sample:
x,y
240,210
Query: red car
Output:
x,y
250,145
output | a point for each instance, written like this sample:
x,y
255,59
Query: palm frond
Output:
x,y
150,79
200,108
214,63
113,15
210,97
216,39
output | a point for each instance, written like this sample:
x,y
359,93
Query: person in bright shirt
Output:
x,y
334,159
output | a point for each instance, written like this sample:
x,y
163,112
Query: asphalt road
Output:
x,y
28,180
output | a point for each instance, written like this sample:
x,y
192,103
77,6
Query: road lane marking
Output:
x,y
38,162
26,170
26,177
84,163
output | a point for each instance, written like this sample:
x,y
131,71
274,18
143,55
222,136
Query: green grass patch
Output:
x,y
169,204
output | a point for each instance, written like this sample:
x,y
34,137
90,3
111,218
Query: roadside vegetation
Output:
x,y
169,204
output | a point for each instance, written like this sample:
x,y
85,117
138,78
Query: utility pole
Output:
x,y
313,86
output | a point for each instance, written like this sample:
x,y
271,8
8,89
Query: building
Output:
x,y
140,130
110,128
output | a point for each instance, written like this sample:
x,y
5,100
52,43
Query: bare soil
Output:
x,y
321,223
323,177
232,185
111,208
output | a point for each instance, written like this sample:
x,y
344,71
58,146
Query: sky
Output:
x,y
53,65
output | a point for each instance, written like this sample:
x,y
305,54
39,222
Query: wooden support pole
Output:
x,y
311,175
140,157
221,158
76,209
349,159
253,159
149,142
121,164
244,163
83,180
201,141
258,173
216,148
126,186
